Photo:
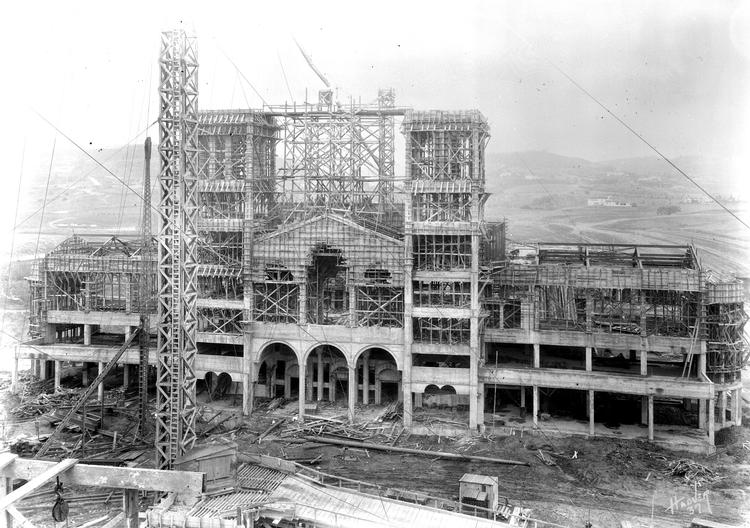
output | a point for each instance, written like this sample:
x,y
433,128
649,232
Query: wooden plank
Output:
x,y
115,521
20,520
182,482
37,482
7,458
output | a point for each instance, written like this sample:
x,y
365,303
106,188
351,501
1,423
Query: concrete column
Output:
x,y
42,369
302,299
352,392
379,392
480,405
702,361
589,359
365,378
100,389
523,397
592,425
644,410
309,383
128,331
535,403
287,384
537,355
418,400
644,362
352,306
723,409
87,334
702,414
85,374
331,384
738,407
58,374
248,374
711,420
320,375
302,372
125,375
651,418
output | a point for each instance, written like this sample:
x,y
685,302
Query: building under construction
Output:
x,y
313,267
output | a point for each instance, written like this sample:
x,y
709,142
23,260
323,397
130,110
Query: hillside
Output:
x,y
543,195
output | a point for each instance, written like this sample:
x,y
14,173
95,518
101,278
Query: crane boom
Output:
x,y
312,66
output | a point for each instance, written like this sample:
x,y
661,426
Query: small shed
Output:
x,y
479,490
217,459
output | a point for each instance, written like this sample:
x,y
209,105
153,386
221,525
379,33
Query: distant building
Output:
x,y
607,202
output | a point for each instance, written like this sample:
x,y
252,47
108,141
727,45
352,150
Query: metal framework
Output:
x,y
177,259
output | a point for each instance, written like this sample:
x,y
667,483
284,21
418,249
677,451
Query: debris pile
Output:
x,y
691,471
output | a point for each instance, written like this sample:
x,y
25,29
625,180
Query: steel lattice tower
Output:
x,y
177,241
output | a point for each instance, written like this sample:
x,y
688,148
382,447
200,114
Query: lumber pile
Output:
x,y
691,471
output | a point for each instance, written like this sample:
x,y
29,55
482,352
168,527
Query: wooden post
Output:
x,y
651,418
6,486
130,507
100,388
591,413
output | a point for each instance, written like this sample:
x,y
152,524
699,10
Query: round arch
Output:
x,y
265,348
313,347
396,357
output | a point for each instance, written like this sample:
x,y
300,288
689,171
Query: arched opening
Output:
x,y
378,377
327,375
274,372
440,397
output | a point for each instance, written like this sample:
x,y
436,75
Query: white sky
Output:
x,y
678,71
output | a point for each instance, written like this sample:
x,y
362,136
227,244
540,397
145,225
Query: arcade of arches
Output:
x,y
327,376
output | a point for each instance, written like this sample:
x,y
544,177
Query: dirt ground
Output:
x,y
607,482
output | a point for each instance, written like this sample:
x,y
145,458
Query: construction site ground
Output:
x,y
603,481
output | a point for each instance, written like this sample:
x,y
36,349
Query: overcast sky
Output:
x,y
677,71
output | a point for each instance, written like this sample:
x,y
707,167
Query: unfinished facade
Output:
x,y
322,275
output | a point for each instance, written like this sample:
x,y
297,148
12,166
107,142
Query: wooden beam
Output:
x,y
37,482
181,482
7,458
21,521
115,521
